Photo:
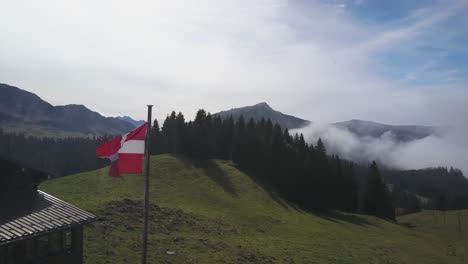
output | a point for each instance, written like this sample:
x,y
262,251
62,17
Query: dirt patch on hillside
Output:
x,y
250,257
181,237
128,214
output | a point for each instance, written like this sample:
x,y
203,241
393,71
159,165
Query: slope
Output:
x,y
211,212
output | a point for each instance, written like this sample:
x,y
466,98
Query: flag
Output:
x,y
125,152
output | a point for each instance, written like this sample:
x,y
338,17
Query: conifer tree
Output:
x,y
351,193
155,144
377,198
320,149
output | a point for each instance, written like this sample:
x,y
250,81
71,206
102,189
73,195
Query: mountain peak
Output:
x,y
78,107
263,110
263,105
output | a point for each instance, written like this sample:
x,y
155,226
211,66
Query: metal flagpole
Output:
x,y
147,175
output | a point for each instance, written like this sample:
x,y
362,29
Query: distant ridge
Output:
x,y
135,123
25,112
403,133
263,110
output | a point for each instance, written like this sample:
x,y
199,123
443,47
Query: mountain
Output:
x,y
135,123
407,133
212,212
264,110
23,111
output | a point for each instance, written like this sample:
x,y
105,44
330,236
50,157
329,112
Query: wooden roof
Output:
x,y
42,213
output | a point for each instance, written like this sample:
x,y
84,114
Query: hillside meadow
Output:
x,y
211,212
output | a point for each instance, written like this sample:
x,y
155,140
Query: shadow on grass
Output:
x,y
270,190
330,215
213,171
338,217
219,176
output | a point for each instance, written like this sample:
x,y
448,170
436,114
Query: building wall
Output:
x,y
53,248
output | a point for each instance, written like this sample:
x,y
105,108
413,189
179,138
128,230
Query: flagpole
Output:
x,y
147,179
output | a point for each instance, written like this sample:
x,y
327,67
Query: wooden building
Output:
x,y
35,227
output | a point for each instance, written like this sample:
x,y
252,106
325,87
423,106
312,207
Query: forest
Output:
x,y
55,156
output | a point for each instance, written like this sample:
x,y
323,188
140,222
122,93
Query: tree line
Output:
x,y
438,188
56,156
302,173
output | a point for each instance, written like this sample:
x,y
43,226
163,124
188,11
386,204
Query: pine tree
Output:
x,y
238,143
351,194
377,198
320,149
155,144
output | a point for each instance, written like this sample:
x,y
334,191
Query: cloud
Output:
x,y
448,149
310,59
420,70
358,2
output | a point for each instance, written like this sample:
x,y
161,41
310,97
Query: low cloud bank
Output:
x,y
448,149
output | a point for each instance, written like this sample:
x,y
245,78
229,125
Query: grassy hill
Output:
x,y
211,212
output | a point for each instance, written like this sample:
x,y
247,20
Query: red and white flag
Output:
x,y
125,152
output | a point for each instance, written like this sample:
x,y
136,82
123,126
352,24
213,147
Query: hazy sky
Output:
x,y
387,61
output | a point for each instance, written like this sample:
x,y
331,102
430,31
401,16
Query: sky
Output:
x,y
395,62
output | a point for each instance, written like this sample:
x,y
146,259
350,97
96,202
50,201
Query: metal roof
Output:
x,y
41,214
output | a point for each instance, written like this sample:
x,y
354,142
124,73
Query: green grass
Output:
x,y
450,228
211,212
